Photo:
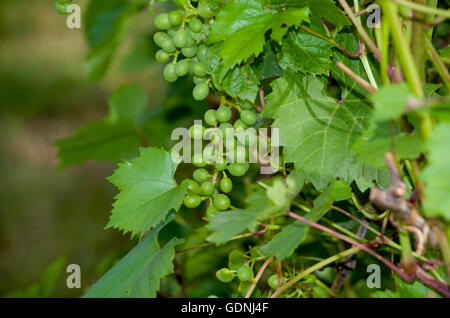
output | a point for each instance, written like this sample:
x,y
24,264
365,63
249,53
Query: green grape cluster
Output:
x,y
182,42
237,268
62,6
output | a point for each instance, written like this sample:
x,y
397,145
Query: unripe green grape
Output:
x,y
197,160
180,38
168,46
223,114
159,37
197,131
192,201
162,21
201,175
175,18
226,185
221,166
249,117
202,53
207,188
225,275
245,273
204,10
189,51
181,3
238,153
211,210
247,138
210,154
273,281
195,25
190,42
182,68
199,69
198,80
238,169
221,202
193,186
239,125
169,73
210,117
161,56
201,91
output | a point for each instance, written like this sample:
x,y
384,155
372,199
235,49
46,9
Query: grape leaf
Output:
x,y
241,83
437,173
285,242
316,131
112,139
390,101
406,290
242,25
266,66
139,273
306,53
148,191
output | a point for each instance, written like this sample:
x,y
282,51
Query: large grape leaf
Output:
x,y
307,53
242,26
139,273
316,131
285,242
113,139
148,191
437,173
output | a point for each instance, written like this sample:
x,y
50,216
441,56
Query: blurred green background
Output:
x,y
47,215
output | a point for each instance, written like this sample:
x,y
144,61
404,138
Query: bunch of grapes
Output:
x,y
205,184
181,39
62,6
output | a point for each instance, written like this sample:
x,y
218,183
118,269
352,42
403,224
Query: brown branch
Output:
x,y
257,277
363,83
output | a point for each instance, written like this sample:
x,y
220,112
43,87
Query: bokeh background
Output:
x,y
49,217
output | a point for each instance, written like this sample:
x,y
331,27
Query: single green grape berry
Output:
x,y
162,21
189,51
180,38
175,18
236,259
207,188
201,91
182,68
210,117
204,10
225,275
161,56
247,137
223,114
192,201
221,166
199,69
159,37
245,273
190,42
198,161
169,73
273,281
221,202
238,169
202,53
168,46
181,3
226,185
211,210
193,186
249,117
239,125
197,131
201,175
195,25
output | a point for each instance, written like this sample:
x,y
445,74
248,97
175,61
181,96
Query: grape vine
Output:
x,y
360,115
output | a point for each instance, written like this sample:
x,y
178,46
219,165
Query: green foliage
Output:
x,y
148,191
257,68
138,274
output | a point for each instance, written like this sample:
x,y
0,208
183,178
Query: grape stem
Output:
x,y
258,277
363,83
